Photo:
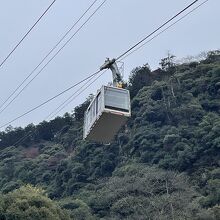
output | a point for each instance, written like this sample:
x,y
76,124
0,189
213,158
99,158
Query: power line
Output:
x,y
46,65
58,109
73,97
100,71
23,138
168,21
57,44
49,100
46,118
23,38
142,45
68,101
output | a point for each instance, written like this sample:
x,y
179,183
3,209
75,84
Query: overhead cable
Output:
x,y
58,109
119,56
23,38
70,98
149,35
58,43
142,45
49,100
73,96
63,105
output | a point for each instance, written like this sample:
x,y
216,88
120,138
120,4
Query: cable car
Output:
x,y
108,111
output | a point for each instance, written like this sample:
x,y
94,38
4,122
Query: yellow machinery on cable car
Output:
x,y
109,109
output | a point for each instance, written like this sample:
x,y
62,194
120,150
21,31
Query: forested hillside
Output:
x,y
163,164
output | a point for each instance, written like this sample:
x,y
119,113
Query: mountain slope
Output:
x,y
166,156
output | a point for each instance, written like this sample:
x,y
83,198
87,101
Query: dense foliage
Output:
x,y
164,164
30,203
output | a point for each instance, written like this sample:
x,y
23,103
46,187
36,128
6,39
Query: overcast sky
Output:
x,y
118,25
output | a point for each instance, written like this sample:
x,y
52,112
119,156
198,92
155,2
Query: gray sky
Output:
x,y
117,26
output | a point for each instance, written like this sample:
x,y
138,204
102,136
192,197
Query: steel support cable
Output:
x,y
142,45
68,101
23,138
54,112
73,96
33,71
50,99
23,38
120,55
42,104
149,35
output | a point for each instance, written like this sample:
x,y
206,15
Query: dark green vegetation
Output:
x,y
164,164
30,203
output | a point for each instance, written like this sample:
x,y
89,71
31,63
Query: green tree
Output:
x,y
80,110
30,203
138,79
78,209
136,191
168,62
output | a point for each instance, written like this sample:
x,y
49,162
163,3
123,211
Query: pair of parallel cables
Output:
x,y
124,55
3,107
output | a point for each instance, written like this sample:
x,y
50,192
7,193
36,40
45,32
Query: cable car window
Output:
x,y
86,120
117,99
87,116
98,103
93,110
90,115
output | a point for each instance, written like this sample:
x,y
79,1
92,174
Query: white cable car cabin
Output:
x,y
108,111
